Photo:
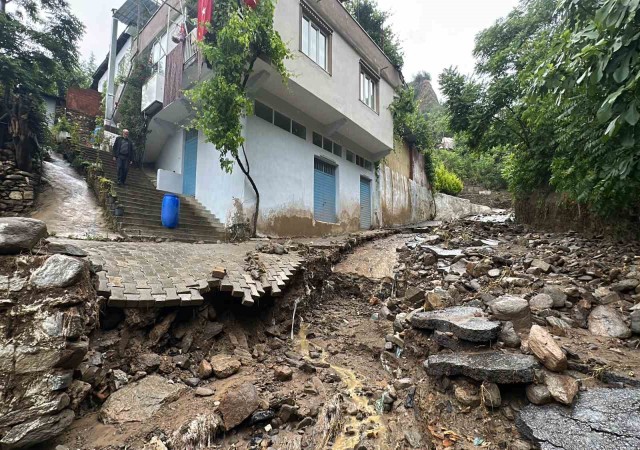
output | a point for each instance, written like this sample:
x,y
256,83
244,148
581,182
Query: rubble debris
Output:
x,y
467,323
501,368
58,271
606,321
20,234
237,404
546,349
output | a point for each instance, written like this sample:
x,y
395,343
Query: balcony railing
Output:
x,y
191,47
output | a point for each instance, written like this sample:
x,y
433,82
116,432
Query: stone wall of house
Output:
x,y
86,124
17,188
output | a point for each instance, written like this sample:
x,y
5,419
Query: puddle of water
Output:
x,y
67,205
350,434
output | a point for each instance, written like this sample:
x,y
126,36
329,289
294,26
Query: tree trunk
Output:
x,y
247,173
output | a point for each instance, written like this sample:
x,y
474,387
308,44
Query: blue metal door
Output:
x,y
365,203
324,192
190,163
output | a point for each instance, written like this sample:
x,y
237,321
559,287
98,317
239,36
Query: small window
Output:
x,y
367,164
337,150
327,145
349,156
264,112
315,42
317,140
282,121
368,90
299,130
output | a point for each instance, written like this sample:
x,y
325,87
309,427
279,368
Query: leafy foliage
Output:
x,y
240,36
557,92
447,182
38,48
129,107
477,168
374,21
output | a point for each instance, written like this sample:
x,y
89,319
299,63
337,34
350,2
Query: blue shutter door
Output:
x,y
324,192
365,204
190,163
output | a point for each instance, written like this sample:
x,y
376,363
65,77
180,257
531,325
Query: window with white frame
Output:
x,y
368,89
315,42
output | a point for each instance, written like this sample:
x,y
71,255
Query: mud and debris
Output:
x,y
473,334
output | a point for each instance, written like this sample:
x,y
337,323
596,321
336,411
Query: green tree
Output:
x,y
130,104
38,47
374,21
240,36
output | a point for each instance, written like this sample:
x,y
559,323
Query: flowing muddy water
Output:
x,y
67,205
351,431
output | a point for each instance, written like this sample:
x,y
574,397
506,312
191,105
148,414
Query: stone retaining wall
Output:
x,y
17,188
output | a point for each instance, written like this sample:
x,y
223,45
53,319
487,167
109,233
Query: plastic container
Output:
x,y
170,211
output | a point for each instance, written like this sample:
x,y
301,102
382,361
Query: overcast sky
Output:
x,y
435,34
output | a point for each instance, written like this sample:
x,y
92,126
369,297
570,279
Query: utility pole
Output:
x,y
111,80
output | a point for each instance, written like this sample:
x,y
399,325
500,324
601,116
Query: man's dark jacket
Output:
x,y
118,149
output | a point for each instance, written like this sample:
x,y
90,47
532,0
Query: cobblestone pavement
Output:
x,y
142,275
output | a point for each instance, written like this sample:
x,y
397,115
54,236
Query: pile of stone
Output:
x,y
17,189
47,309
494,318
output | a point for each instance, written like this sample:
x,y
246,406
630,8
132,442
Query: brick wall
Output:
x,y
84,101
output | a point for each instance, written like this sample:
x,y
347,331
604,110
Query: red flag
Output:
x,y
251,3
205,12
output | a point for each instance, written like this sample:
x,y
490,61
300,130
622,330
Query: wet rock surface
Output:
x,y
496,367
601,418
20,234
467,323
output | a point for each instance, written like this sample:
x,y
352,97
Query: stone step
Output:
x,y
187,211
156,221
177,235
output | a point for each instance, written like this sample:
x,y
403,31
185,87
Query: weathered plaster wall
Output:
x,y
404,200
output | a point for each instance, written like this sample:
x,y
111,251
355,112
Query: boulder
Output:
x,y
546,349
514,309
627,285
557,294
20,234
509,336
562,388
237,404
538,394
606,321
37,430
600,419
467,323
58,271
606,296
224,366
139,401
502,368
541,302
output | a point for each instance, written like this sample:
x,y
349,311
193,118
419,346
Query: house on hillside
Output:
x,y
314,145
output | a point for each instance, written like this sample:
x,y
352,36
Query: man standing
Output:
x,y
123,154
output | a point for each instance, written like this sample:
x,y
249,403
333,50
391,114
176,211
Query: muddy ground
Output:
x,y
336,362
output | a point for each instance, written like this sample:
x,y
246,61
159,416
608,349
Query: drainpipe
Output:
x,y
111,79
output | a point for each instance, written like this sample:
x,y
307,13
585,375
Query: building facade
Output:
x,y
314,144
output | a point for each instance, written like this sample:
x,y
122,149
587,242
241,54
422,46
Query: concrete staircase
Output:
x,y
142,204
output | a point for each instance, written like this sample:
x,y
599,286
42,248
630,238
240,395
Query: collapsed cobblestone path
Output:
x,y
142,275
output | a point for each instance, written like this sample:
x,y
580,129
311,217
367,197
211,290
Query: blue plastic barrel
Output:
x,y
170,210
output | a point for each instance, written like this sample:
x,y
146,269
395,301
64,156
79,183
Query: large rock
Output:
x,y
538,394
38,430
237,404
139,401
606,321
557,294
58,271
541,302
514,309
469,324
224,366
501,368
562,388
546,349
19,234
600,419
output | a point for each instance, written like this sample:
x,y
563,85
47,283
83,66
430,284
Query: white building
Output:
x,y
312,143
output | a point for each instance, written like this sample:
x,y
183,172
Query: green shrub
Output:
x,y
447,182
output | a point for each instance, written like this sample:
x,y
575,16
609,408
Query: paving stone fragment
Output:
x,y
501,368
600,419
467,323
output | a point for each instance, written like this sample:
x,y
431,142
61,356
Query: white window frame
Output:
x,y
311,40
368,89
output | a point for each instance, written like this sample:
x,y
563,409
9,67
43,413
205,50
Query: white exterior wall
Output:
x,y
121,54
341,88
170,157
